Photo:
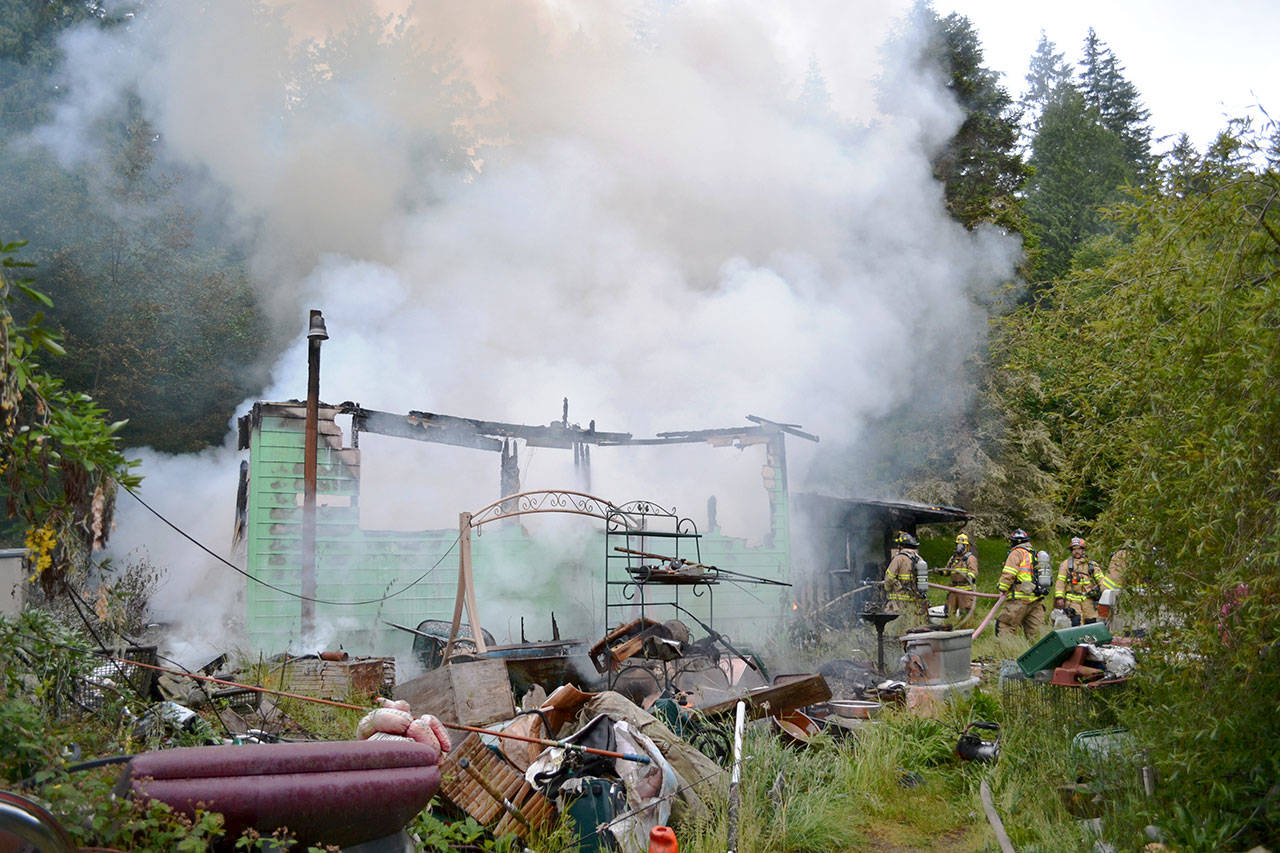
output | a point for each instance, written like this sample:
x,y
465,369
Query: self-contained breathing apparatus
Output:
x,y
922,573
1044,574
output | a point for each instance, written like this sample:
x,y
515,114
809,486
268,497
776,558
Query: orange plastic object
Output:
x,y
662,840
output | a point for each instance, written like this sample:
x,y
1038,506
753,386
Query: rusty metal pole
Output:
x,y
316,333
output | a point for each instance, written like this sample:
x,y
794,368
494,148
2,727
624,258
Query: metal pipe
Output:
x,y
316,333
492,791
734,780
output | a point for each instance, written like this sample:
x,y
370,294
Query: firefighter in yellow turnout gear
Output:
x,y
902,595
1018,581
962,567
1080,583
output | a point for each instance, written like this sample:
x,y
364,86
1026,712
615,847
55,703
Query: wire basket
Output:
x,y
113,675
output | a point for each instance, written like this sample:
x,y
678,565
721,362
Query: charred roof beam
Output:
x,y
489,435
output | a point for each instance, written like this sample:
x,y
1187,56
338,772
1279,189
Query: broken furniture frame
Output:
x,y
523,503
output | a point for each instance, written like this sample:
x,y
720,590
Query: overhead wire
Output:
x,y
288,592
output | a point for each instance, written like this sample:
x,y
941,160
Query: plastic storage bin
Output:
x,y
1054,647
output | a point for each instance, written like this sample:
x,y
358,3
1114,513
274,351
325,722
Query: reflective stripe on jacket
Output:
x,y
900,575
1074,583
963,568
1019,575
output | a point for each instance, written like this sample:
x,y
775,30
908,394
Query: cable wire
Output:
x,y
291,593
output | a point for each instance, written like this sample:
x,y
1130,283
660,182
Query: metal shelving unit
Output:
x,y
647,552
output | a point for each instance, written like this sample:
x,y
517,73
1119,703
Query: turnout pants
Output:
x,y
1020,613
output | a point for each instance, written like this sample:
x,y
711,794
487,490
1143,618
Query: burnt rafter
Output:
x,y
490,435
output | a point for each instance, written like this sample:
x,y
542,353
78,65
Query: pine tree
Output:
x,y
981,168
1048,70
1079,166
1118,103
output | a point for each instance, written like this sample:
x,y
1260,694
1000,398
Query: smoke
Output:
x,y
673,213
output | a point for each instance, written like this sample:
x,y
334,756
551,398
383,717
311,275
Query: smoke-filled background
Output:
x,y
673,213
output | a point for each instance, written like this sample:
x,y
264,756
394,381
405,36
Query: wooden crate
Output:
x,y
461,789
474,693
331,679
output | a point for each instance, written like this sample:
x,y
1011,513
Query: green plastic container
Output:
x,y
592,803
1056,646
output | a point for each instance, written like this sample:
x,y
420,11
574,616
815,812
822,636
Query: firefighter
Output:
x,y
1080,585
1023,609
1116,568
963,568
900,578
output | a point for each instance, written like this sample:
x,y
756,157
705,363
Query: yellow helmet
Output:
x,y
962,539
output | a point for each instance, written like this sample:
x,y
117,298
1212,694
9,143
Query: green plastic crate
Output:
x,y
1056,646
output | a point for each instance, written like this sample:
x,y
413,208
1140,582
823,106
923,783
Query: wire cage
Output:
x,y
114,675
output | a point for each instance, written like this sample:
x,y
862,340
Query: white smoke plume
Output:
x,y
674,213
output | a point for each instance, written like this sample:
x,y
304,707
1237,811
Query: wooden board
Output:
x,y
474,693
461,789
777,699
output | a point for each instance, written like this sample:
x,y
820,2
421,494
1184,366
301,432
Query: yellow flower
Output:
x,y
40,541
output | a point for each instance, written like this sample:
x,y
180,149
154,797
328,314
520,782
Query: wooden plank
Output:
x,y
777,699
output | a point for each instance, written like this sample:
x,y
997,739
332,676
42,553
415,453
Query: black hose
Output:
x,y
29,782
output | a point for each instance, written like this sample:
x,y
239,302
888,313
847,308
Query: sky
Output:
x,y
1194,63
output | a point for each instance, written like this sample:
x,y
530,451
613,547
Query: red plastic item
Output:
x,y
1073,672
340,793
663,840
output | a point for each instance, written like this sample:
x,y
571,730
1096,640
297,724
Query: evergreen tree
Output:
x,y
1091,139
1079,167
1048,71
980,166
1117,102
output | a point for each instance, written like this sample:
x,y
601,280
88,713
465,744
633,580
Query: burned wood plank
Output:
x,y
776,699
466,793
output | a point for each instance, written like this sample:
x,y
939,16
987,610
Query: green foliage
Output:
x,y
1048,71
60,459
1116,102
1079,168
1155,372
160,322
1090,140
432,832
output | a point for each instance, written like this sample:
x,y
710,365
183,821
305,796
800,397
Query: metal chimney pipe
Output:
x,y
316,333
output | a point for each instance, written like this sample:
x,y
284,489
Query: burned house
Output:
x,y
362,579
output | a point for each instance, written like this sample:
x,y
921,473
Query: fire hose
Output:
x,y
999,601
965,591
